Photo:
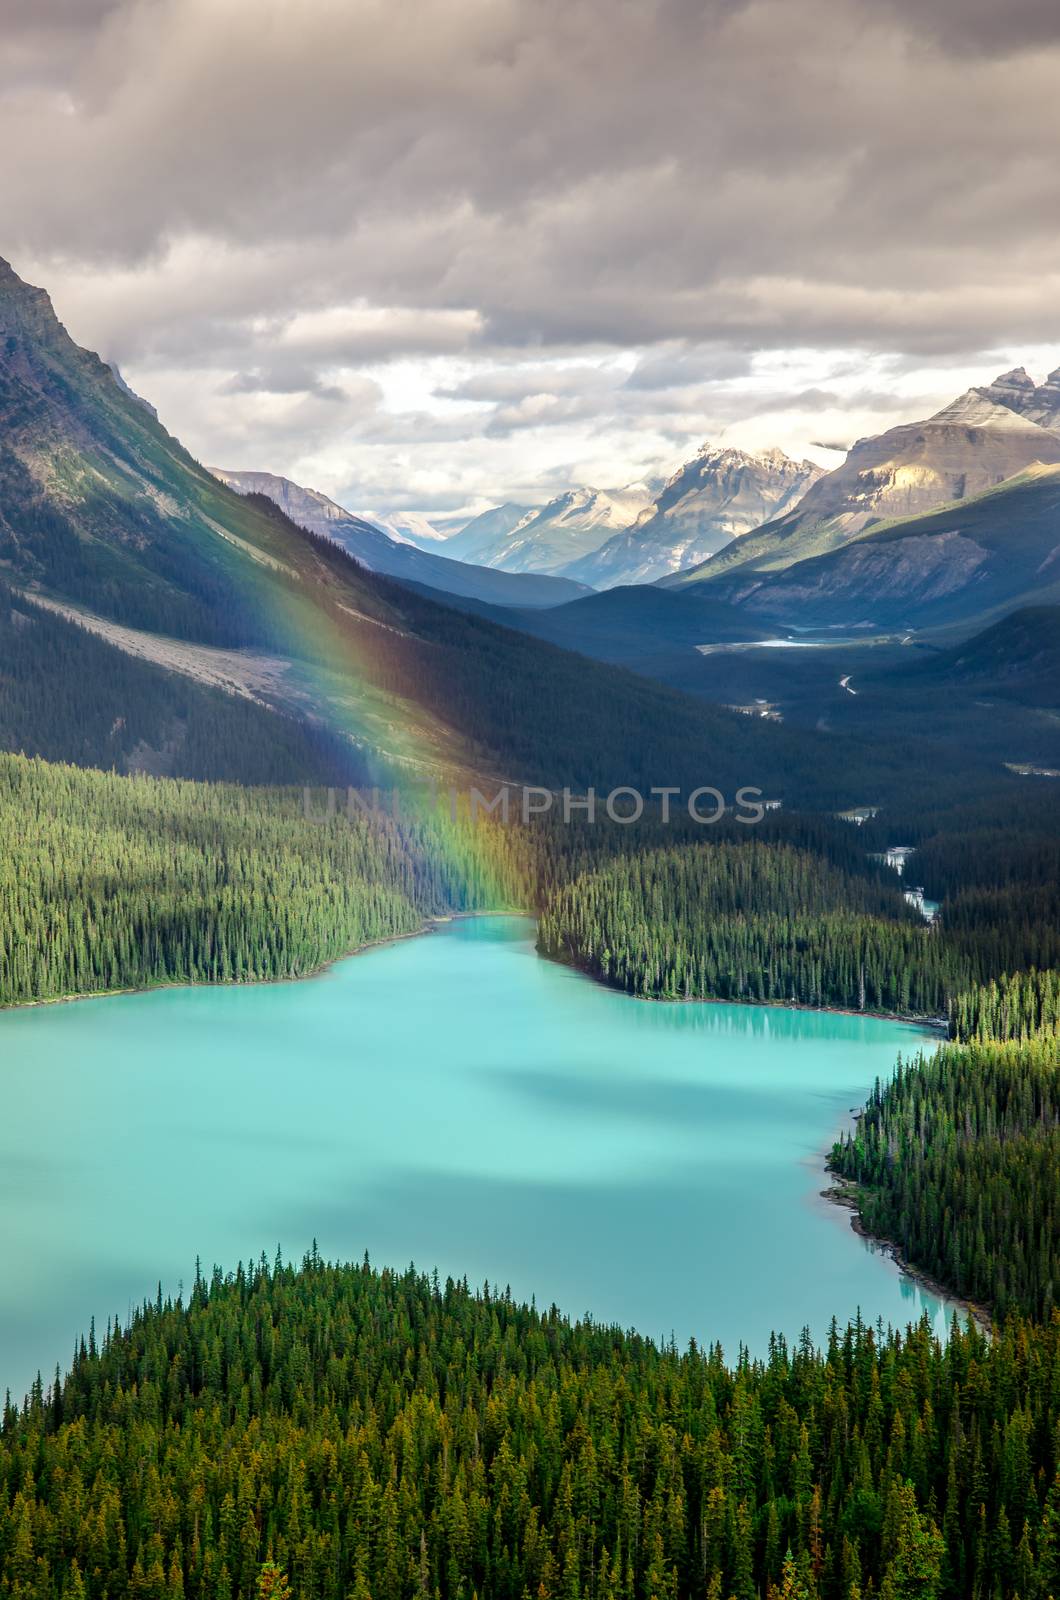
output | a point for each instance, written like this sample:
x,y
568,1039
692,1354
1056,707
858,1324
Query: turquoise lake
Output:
x,y
451,1100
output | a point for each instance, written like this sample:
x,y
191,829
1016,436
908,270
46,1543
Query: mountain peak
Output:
x,y
1018,380
24,303
717,496
1035,404
769,458
977,408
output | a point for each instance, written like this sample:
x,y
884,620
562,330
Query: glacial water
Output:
x,y
450,1100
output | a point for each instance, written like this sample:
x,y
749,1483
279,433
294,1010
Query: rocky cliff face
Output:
x,y
717,496
308,507
1018,391
979,440
964,449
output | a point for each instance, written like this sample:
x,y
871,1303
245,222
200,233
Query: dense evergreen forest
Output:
x,y
112,882
1015,1007
67,695
993,860
109,882
336,1432
957,1160
758,921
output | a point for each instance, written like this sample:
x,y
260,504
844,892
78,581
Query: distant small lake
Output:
x,y
451,1100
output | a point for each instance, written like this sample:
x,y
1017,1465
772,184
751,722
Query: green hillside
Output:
x,y
966,560
1017,658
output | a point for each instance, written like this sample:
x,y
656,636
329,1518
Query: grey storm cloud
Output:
x,y
294,380
570,170
283,193
972,27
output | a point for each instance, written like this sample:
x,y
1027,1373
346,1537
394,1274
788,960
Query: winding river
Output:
x,y
451,1100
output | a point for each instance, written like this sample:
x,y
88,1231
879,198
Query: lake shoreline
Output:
x,y
844,1193
431,925
929,1024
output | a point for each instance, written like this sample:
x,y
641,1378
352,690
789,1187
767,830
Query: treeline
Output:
x,y
109,882
755,922
118,882
957,1160
389,1438
1005,929
1009,1007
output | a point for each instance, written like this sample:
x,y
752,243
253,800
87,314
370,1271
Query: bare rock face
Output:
x,y
716,497
1046,408
1015,389
979,440
966,448
1037,403
921,569
308,507
958,561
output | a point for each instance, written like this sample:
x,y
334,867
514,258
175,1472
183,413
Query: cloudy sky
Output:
x,y
432,254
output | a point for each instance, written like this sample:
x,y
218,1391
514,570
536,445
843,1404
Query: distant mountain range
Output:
x,y
380,551
760,511
483,539
641,532
976,442
716,497
552,537
152,618
136,588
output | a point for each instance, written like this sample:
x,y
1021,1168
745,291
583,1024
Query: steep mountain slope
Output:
x,y
103,513
716,497
70,694
550,537
1017,659
967,559
485,534
965,449
378,552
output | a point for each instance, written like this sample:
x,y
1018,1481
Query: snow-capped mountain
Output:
x,y
717,496
409,527
973,444
552,536
485,534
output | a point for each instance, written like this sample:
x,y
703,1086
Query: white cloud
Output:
x,y
454,257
